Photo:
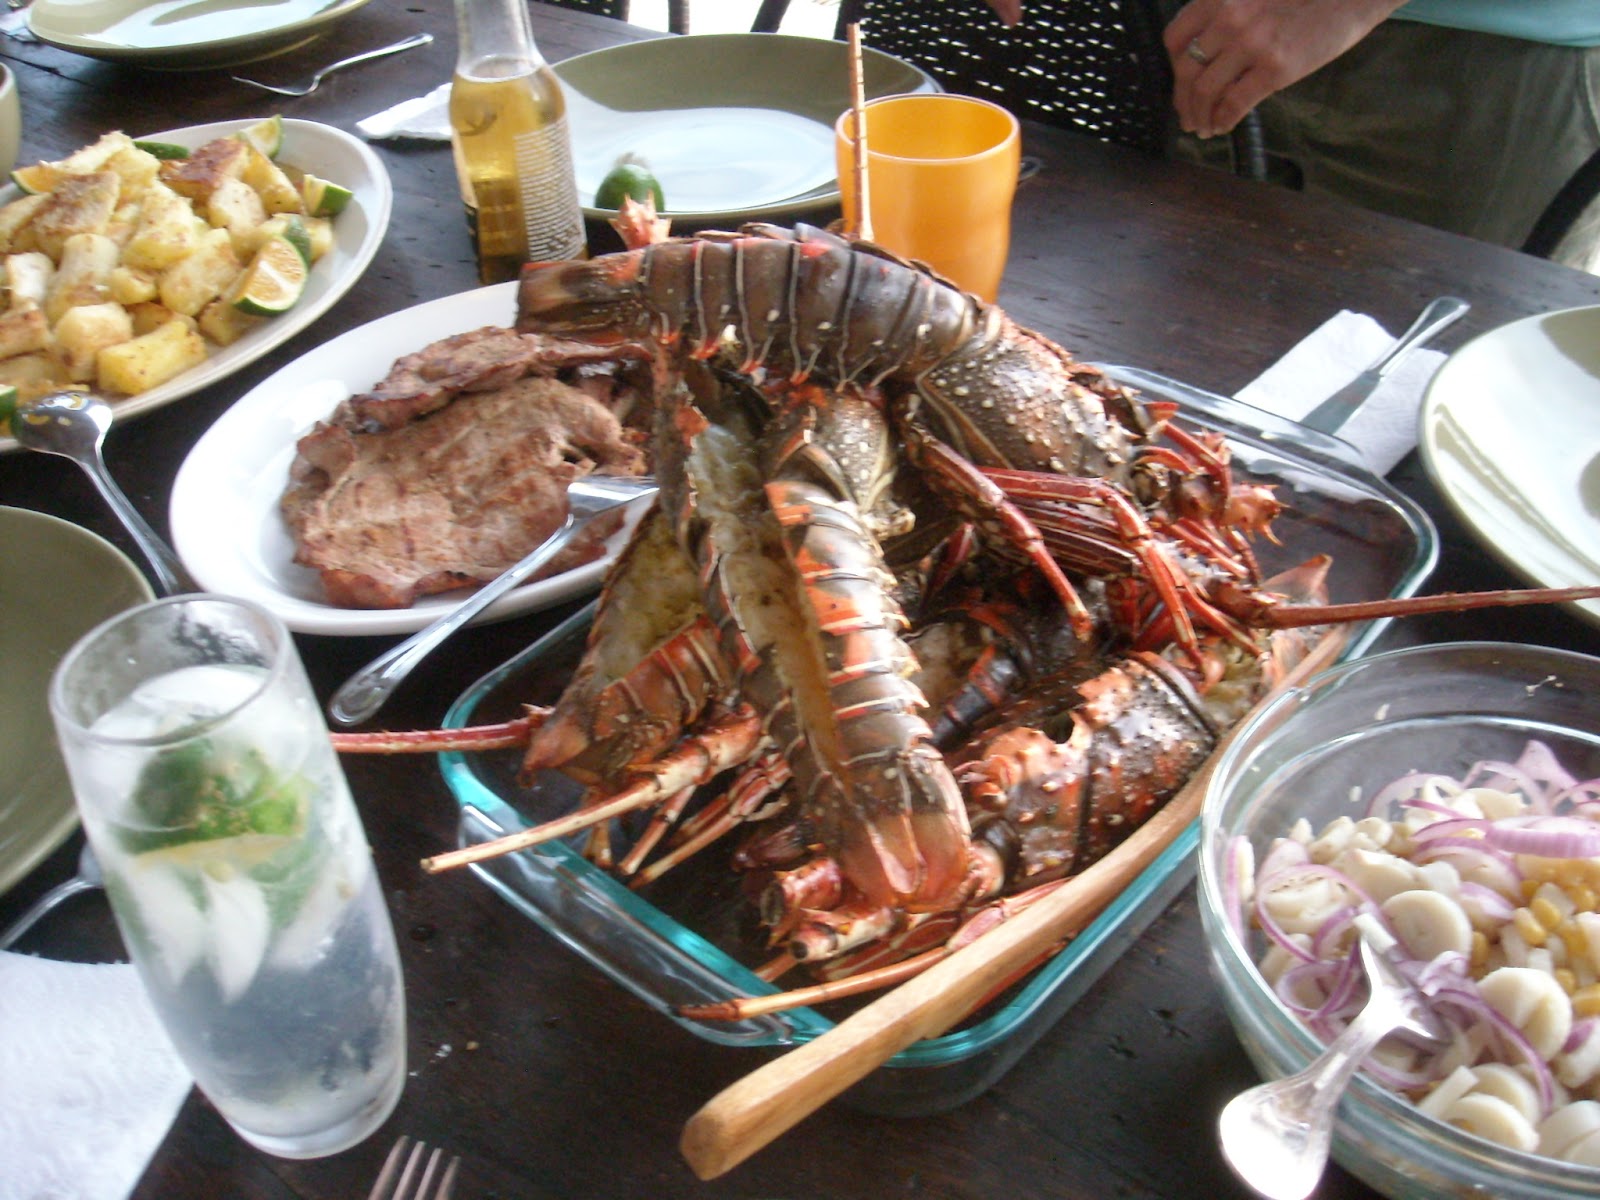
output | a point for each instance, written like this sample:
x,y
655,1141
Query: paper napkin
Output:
x,y
90,1082
426,117
1384,429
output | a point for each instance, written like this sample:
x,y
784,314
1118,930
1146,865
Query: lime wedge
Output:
x,y
630,177
298,236
323,199
39,178
163,150
266,136
274,280
8,407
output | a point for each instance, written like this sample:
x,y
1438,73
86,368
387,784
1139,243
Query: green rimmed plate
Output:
x,y
736,126
57,582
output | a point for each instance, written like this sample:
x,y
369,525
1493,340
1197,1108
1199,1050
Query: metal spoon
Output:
x,y
364,692
73,425
1276,1136
87,879
312,84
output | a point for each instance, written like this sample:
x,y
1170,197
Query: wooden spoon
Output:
x,y
753,1111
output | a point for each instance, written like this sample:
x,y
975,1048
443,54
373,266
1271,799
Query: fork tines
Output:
x,y
417,1174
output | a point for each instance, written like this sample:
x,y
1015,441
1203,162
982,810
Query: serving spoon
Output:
x,y
365,692
73,425
1276,1136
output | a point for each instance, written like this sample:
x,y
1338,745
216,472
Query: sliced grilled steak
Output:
x,y
453,496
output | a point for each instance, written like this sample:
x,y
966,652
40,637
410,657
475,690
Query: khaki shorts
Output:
x,y
1465,131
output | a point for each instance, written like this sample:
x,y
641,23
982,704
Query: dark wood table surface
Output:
x,y
550,1080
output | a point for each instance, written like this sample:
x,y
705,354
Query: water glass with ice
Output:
x,y
237,867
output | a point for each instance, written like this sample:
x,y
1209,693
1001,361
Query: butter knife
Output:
x,y
1330,416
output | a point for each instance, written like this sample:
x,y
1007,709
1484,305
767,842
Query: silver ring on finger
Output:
x,y
1194,51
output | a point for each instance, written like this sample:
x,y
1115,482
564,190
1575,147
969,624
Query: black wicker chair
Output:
x,y
677,11
1093,65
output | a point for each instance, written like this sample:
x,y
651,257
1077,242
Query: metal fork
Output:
x,y
424,1174
312,84
365,691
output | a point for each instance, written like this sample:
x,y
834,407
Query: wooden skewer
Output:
x,y
858,133
753,1111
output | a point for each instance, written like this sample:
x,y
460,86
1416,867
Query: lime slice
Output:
x,y
630,177
273,281
37,179
163,150
266,136
297,235
8,406
323,199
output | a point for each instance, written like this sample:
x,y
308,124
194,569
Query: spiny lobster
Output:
x,y
760,617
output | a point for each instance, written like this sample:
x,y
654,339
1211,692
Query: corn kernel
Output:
x,y
1567,980
1529,886
1577,942
1583,897
1529,927
1586,1001
1479,955
1545,912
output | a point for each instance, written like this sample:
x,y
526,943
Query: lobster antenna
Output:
x,y
858,134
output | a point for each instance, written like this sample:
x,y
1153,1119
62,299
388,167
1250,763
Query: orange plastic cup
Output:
x,y
941,175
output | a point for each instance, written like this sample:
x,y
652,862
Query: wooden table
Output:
x,y
550,1080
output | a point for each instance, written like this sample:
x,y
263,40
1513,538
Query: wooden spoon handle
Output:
x,y
751,1112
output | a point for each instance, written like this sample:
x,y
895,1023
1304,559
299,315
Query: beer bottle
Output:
x,y
513,150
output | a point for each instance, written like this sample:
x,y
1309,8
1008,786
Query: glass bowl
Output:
x,y
685,940
1364,724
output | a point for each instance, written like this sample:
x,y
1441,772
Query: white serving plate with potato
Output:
x,y
357,232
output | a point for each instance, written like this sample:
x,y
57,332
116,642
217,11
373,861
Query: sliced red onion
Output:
x,y
1485,902
1545,836
1411,789
1237,857
1583,1029
1540,762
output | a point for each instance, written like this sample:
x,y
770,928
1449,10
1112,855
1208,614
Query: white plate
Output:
x,y
1510,433
224,515
732,124
357,231
183,33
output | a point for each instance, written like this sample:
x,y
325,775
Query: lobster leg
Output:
x,y
994,511
725,742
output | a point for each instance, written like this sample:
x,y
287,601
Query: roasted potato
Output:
x,y
119,269
140,364
85,331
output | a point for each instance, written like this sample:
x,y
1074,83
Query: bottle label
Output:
x,y
550,210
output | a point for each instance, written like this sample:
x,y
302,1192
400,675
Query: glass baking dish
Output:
x,y
687,939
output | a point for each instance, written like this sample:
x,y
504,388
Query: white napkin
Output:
x,y
425,117
1384,429
90,1082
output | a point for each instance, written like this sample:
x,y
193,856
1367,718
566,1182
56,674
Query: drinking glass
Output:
x,y
941,175
237,867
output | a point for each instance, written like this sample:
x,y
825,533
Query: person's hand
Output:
x,y
1009,11
1229,55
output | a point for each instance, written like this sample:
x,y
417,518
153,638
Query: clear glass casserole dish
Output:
x,y
686,939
